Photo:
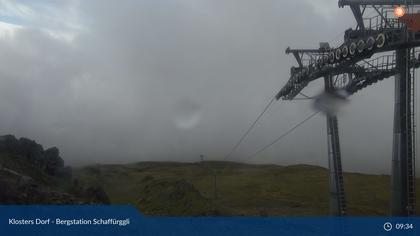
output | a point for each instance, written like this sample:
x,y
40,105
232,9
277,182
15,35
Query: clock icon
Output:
x,y
387,226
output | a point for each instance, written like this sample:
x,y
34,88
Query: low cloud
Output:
x,y
117,82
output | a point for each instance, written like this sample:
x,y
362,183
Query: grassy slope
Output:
x,y
298,190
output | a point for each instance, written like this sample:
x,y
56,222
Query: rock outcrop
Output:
x,y
31,175
47,160
16,188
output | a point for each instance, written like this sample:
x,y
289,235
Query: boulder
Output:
x,y
53,162
96,194
16,188
33,151
48,160
8,143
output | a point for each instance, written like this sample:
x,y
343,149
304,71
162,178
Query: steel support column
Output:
x,y
402,176
337,196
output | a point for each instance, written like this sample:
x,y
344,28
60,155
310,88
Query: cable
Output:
x,y
282,136
299,99
249,129
335,39
225,164
306,96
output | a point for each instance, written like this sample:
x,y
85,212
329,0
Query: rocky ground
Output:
x,y
31,175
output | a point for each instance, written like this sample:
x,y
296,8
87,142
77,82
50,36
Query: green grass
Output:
x,y
298,190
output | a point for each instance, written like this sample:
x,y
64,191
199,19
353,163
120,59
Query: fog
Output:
x,y
128,81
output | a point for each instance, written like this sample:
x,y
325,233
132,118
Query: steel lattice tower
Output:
x,y
346,68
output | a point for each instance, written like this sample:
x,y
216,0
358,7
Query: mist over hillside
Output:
x,y
235,189
30,174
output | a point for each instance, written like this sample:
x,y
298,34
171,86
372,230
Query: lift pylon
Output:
x,y
336,181
391,36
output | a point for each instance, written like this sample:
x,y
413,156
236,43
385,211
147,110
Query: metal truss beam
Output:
x,y
402,176
383,33
336,181
342,3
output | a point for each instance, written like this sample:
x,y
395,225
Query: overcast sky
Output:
x,y
127,81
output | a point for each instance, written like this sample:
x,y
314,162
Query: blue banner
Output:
x,y
126,220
